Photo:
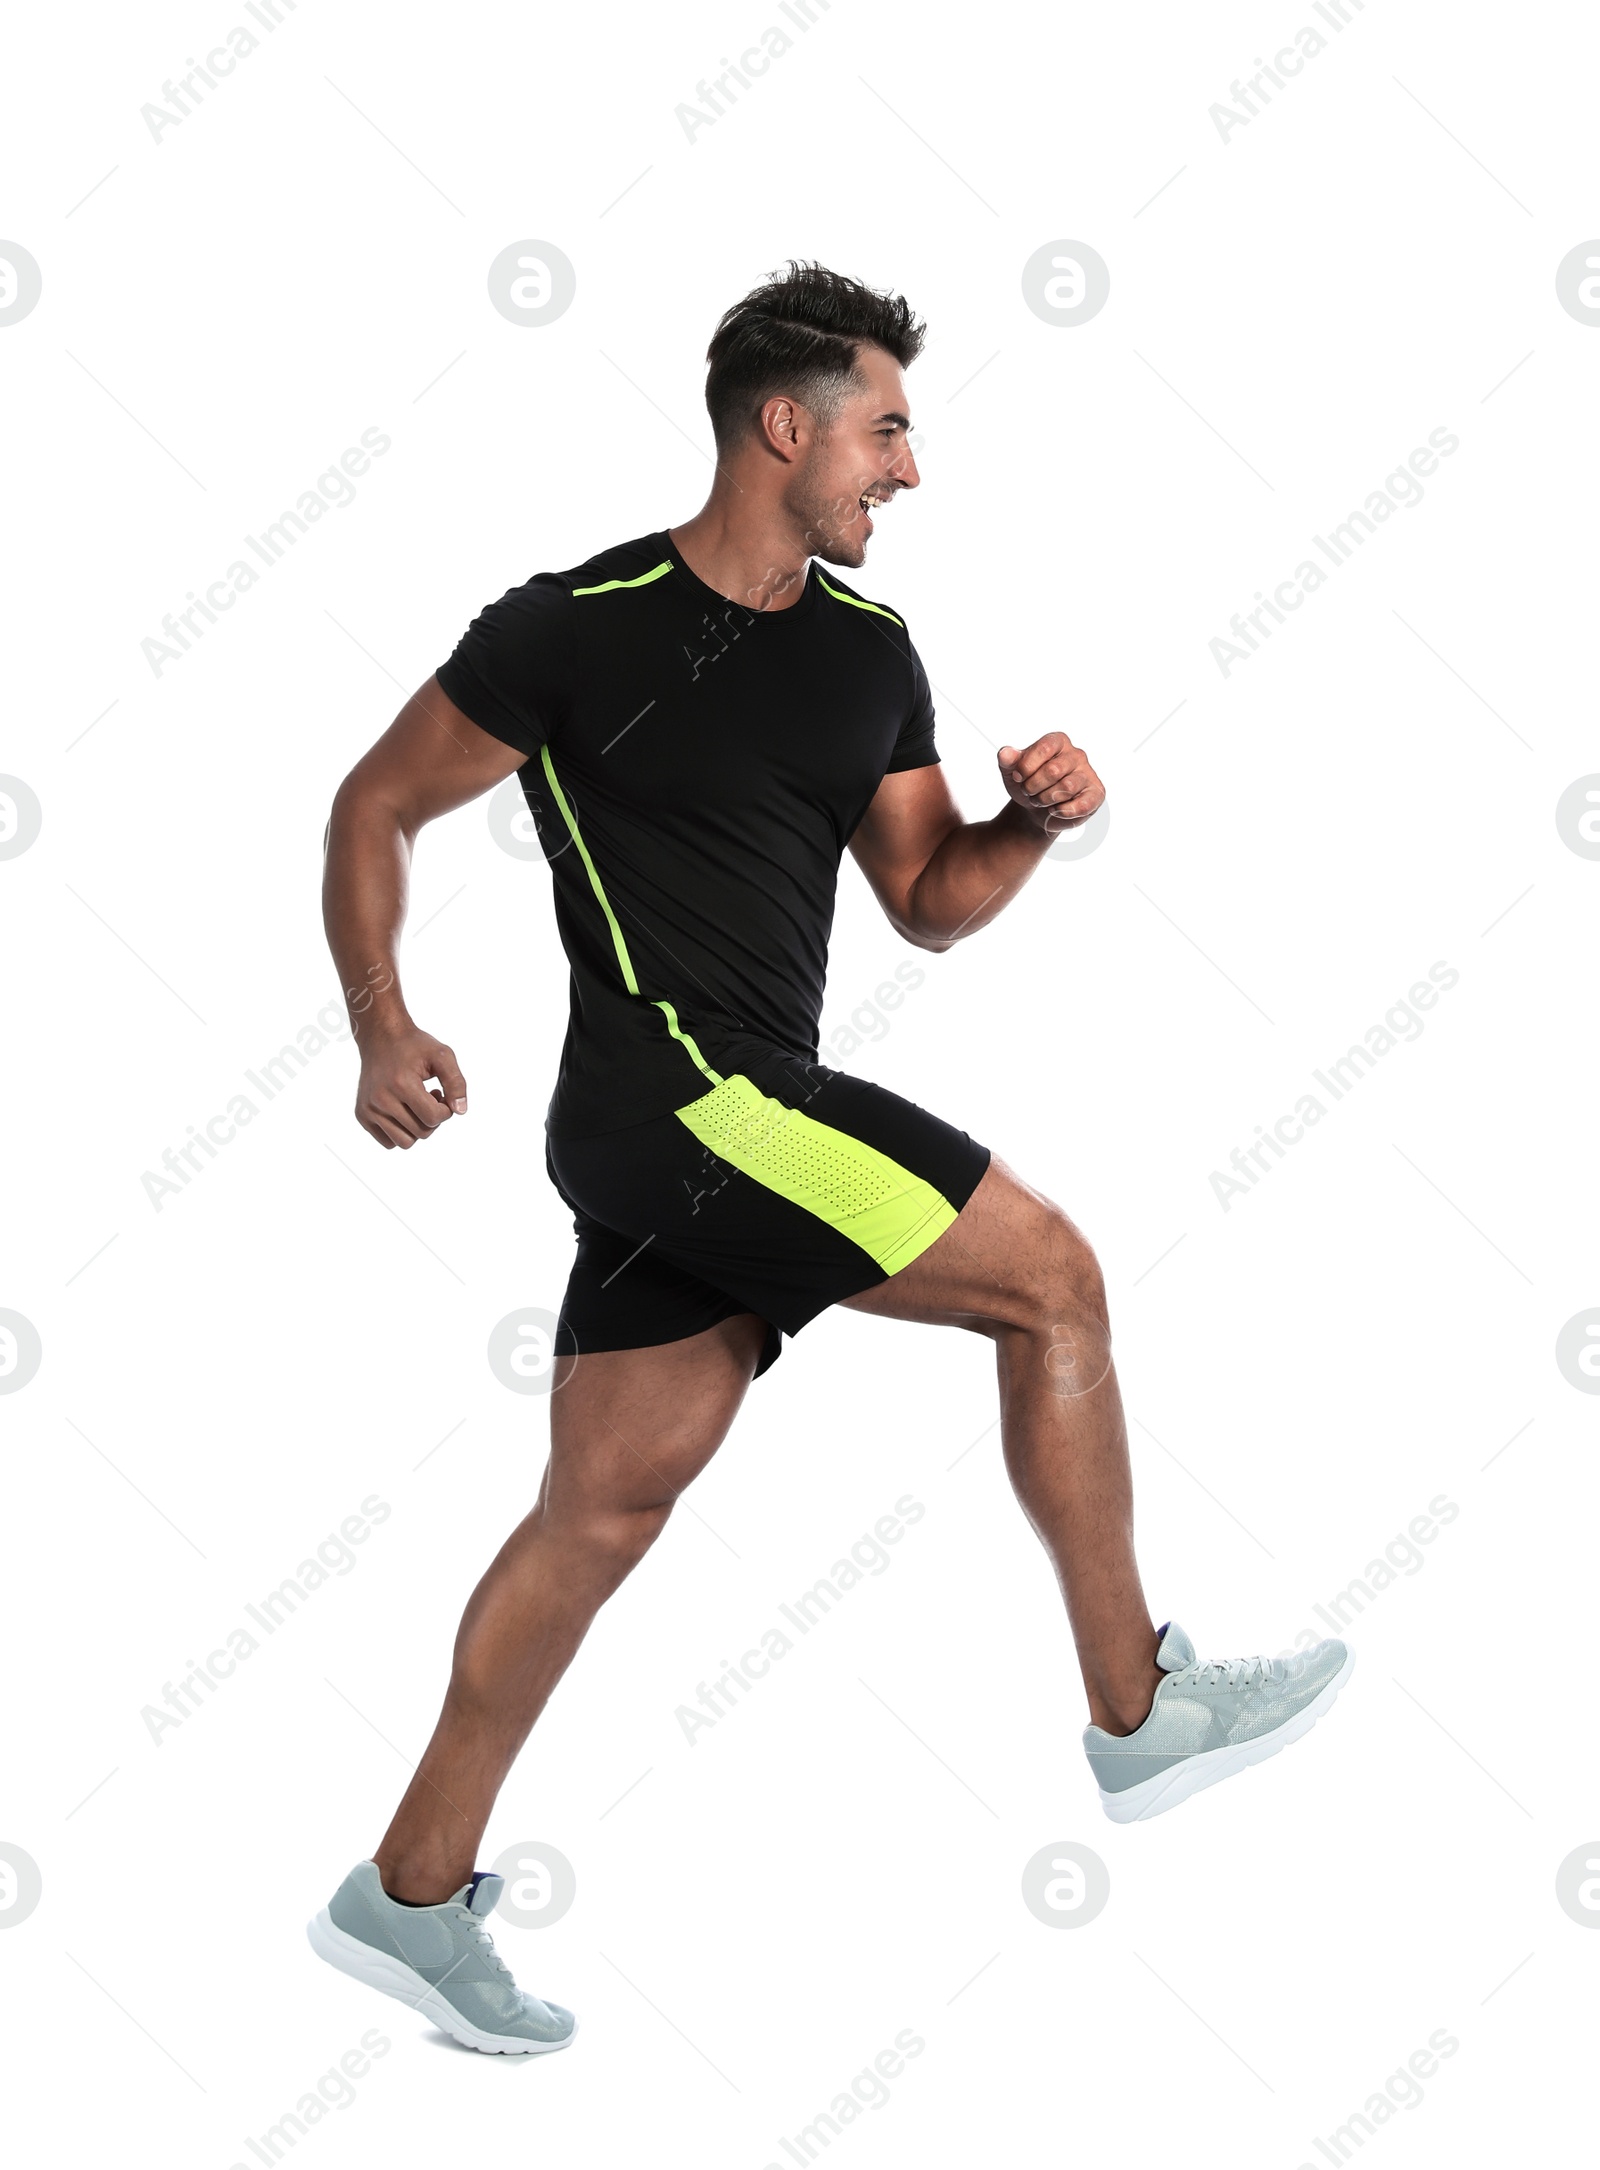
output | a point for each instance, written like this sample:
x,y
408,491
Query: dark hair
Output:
x,y
801,333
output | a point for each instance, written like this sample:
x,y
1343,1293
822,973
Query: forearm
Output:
x,y
972,876
365,889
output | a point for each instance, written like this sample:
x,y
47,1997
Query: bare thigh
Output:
x,y
630,1428
1010,1259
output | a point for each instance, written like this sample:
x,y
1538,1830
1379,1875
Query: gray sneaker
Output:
x,y
440,1960
1210,1720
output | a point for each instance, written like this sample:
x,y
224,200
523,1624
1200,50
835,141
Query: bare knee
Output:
x,y
1055,1284
603,1503
1055,1326
613,1539
1077,1272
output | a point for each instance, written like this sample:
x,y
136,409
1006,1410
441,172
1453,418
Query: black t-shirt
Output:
x,y
695,770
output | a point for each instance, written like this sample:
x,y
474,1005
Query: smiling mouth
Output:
x,y
870,500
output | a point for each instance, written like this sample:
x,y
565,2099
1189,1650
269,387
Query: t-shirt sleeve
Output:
x,y
512,668
914,748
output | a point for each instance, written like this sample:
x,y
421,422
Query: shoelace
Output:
x,y
1231,1672
471,1921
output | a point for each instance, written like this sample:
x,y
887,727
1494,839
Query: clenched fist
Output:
x,y
394,1101
1052,782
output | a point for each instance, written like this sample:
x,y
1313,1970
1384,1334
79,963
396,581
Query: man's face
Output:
x,y
865,458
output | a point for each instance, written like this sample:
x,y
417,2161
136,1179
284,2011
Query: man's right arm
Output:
x,y
431,760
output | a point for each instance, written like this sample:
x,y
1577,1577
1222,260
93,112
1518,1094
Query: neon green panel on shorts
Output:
x,y
890,1213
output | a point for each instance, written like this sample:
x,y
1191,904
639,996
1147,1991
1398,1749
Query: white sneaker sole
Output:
x,y
1154,1796
381,1971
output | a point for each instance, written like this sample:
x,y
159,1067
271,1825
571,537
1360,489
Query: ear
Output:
x,y
781,425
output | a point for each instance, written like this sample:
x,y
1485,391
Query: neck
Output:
x,y
747,551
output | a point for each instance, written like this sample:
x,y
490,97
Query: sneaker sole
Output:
x,y
1154,1796
381,1971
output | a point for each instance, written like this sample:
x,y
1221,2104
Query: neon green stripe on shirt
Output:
x,y
570,819
840,596
685,1040
629,979
643,580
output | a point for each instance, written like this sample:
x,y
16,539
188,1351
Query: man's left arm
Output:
x,y
939,877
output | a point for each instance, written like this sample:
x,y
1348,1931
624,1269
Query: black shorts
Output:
x,y
782,1190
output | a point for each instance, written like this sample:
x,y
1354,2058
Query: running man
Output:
x,y
703,720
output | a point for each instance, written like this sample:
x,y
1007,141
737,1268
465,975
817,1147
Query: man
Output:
x,y
703,720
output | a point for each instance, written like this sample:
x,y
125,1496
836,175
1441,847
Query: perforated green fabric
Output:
x,y
890,1213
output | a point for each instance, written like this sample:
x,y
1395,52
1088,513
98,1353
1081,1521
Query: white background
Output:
x,y
226,1378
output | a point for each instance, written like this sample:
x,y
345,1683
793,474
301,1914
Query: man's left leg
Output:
x,y
1013,1267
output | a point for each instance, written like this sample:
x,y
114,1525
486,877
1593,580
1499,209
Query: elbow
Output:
x,y
359,805
342,812
354,795
345,803
911,922
920,938
912,928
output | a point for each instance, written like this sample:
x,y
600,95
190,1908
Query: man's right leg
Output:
x,y
629,1430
